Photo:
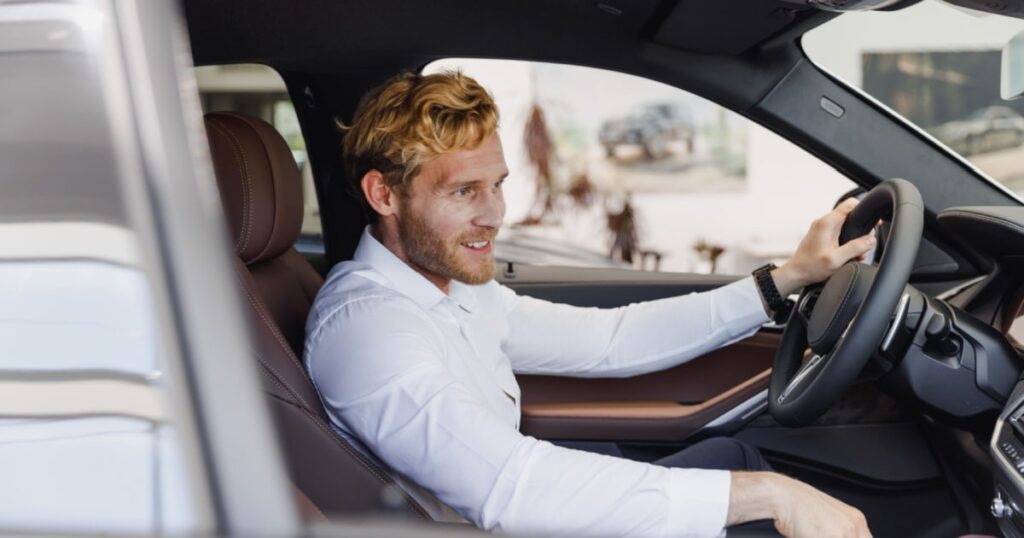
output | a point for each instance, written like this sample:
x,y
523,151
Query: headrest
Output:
x,y
259,182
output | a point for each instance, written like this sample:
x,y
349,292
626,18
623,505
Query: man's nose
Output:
x,y
492,210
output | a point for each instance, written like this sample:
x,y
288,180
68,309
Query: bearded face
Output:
x,y
449,214
467,257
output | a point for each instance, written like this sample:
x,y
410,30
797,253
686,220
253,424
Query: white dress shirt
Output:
x,y
424,380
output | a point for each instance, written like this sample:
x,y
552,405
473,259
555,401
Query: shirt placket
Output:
x,y
464,320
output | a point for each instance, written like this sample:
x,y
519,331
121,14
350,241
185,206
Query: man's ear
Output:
x,y
381,197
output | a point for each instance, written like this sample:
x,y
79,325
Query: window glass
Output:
x,y
937,65
85,427
642,174
94,436
258,91
1017,329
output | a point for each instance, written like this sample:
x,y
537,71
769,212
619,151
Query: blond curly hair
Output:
x,y
410,119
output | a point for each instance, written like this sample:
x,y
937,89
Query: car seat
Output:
x,y
261,191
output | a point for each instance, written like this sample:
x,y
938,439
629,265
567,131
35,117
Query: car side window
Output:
x,y
258,91
613,170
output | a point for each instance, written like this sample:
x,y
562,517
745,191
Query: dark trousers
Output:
x,y
722,453
728,454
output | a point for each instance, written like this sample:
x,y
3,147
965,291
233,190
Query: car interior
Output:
x,y
921,435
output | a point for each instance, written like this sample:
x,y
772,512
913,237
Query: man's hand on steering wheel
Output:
x,y
845,308
820,254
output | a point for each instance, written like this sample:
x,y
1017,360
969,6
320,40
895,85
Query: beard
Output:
x,y
442,256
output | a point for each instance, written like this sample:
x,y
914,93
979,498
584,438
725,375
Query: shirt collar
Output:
x,y
407,280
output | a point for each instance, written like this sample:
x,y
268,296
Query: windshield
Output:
x,y
938,66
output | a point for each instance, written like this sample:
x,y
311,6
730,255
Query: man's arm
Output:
x,y
551,338
397,396
548,338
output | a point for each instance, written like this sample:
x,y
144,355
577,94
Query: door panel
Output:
x,y
670,405
657,420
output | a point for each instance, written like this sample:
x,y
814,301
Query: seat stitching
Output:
x,y
283,381
274,180
247,215
271,374
272,327
239,163
374,469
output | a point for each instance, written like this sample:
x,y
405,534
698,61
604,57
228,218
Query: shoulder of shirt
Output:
x,y
352,284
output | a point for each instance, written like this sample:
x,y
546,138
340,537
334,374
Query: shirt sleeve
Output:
x,y
387,384
551,338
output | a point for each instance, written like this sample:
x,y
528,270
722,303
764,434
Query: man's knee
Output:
x,y
732,454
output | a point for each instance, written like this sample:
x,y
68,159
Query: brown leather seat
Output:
x,y
261,191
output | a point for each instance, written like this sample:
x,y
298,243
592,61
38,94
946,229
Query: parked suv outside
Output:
x,y
652,127
988,129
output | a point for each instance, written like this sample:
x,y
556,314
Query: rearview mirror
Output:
x,y
1012,75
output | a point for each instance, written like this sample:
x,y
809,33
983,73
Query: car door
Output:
x,y
119,321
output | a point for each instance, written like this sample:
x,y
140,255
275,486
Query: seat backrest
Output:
x,y
261,190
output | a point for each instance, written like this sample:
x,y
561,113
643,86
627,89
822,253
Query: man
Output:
x,y
412,345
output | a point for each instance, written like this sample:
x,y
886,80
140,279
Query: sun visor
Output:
x,y
716,27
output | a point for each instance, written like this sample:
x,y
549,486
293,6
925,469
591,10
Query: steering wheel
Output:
x,y
843,319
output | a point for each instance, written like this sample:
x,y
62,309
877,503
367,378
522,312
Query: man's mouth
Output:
x,y
478,246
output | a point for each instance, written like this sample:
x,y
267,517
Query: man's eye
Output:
x,y
464,191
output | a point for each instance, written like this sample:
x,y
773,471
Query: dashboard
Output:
x,y
986,311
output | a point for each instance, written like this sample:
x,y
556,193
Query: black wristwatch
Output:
x,y
776,304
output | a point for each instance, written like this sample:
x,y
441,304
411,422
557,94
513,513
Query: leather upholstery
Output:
x,y
259,184
261,191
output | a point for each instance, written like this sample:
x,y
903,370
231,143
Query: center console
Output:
x,y
1007,449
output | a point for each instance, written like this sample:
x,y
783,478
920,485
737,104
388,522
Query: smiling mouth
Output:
x,y
478,246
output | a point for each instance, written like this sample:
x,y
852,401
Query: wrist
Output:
x,y
752,496
787,280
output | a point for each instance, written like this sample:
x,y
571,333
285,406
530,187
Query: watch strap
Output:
x,y
774,301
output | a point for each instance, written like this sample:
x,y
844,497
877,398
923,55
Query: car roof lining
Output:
x,y
338,36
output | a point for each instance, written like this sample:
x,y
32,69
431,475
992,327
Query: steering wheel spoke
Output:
x,y
807,371
805,304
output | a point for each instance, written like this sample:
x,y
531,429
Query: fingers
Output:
x,y
834,219
856,247
846,206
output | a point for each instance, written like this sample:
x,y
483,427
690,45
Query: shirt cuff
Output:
x,y
698,502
